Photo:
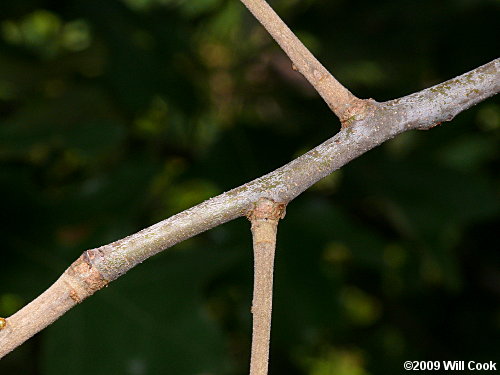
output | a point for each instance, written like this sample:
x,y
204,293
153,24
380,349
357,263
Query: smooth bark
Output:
x,y
340,100
365,126
264,218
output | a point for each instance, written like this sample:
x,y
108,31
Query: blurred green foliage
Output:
x,y
117,114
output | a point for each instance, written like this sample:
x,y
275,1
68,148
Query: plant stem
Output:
x,y
264,219
340,100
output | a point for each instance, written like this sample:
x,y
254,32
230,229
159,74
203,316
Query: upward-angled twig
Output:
x,y
340,100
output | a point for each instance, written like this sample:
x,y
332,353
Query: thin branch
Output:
x,y
340,100
78,282
442,102
383,121
264,219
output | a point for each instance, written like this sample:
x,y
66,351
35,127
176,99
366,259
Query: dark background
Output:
x,y
117,114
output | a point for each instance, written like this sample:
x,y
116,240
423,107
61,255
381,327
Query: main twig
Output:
x,y
341,101
97,267
264,218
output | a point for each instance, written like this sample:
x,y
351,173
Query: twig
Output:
x,y
78,282
421,110
264,219
340,100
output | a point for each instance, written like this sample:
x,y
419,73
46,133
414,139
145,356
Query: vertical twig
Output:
x,y
264,219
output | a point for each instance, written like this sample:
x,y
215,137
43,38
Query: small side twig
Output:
x,y
341,101
264,218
